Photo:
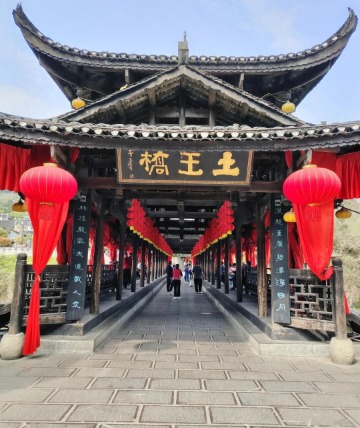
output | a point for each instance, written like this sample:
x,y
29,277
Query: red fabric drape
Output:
x,y
13,163
289,159
317,238
92,235
347,168
267,248
39,155
46,235
324,160
64,245
296,257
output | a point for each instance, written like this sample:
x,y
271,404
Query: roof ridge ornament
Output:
x,y
183,51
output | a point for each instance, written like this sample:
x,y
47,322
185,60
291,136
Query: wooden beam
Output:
x,y
182,104
241,81
120,111
175,214
152,101
174,113
128,77
212,103
111,183
243,111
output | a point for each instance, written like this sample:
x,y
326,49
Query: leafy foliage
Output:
x,y
5,242
7,199
347,247
7,269
3,233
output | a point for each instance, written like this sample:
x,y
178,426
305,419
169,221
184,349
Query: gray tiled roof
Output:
x,y
242,137
109,59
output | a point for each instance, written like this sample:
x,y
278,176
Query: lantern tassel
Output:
x,y
312,212
46,211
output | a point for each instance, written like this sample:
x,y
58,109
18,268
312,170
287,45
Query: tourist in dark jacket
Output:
x,y
169,273
198,278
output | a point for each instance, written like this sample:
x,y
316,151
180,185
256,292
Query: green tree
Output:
x,y
3,233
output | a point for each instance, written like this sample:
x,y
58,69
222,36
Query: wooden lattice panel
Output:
x,y
53,289
310,298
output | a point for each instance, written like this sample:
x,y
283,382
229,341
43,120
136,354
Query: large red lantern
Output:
x,y
48,185
312,186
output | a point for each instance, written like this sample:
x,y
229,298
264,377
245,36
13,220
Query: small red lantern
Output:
x,y
312,186
48,185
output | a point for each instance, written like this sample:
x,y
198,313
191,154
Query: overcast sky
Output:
x,y
214,27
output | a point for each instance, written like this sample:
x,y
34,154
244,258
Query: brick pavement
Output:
x,y
178,363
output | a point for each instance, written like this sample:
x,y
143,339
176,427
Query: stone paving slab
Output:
x,y
247,415
320,418
172,414
24,395
186,369
142,396
86,396
34,412
104,413
58,425
268,399
63,382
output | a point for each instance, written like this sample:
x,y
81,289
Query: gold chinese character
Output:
x,y
190,162
226,163
155,162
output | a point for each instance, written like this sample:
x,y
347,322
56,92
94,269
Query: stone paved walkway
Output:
x,y
178,363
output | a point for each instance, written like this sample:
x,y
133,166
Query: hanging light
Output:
x,y
343,213
289,217
312,186
48,185
288,107
19,206
78,103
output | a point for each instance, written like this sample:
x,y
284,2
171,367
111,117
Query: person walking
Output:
x,y
169,274
176,281
127,270
198,278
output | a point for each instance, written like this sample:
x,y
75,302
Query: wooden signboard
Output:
x,y
280,288
79,256
216,167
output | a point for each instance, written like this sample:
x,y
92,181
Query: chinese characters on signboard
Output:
x,y
280,297
79,255
214,167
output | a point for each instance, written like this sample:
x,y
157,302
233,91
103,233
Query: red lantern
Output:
x,y
312,186
48,185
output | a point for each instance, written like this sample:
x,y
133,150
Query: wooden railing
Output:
x,y
53,291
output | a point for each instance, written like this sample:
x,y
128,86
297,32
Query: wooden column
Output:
x,y
226,262
18,299
261,267
153,263
339,303
213,264
148,246
239,283
218,263
208,269
98,255
120,278
142,272
134,262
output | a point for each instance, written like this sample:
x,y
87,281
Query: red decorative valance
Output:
x,y
347,167
13,163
